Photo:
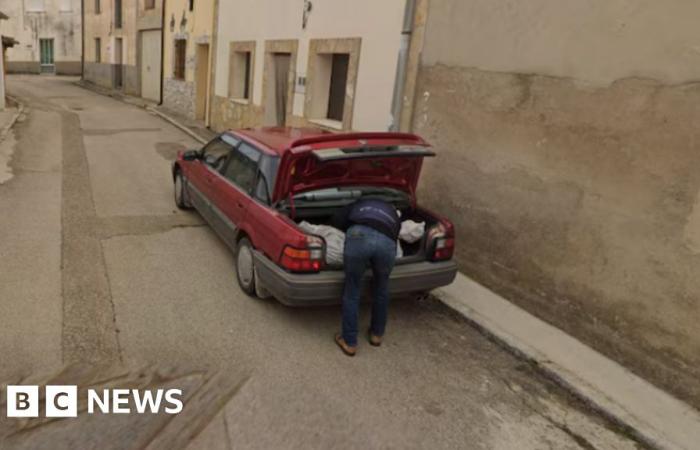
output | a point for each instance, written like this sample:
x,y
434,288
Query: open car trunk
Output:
x,y
317,179
412,252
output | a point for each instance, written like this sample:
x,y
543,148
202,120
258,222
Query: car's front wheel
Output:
x,y
179,191
245,270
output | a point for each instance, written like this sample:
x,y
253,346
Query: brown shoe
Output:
x,y
374,341
350,351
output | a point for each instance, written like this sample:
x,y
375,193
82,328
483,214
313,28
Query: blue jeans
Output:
x,y
365,246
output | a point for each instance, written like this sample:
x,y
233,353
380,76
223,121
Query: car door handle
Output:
x,y
239,204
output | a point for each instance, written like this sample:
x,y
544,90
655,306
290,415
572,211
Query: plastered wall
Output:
x,y
196,27
101,24
569,160
377,24
60,20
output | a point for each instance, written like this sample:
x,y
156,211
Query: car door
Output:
x,y
233,190
204,171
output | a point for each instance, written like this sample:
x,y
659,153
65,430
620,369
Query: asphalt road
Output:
x,y
99,266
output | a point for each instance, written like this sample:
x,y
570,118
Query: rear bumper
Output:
x,y
326,288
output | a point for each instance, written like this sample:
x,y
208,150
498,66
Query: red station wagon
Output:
x,y
255,186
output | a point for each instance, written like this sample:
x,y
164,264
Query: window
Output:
x,y
98,50
331,74
117,13
242,167
215,153
149,4
35,5
338,83
98,8
267,173
46,55
241,75
180,59
191,5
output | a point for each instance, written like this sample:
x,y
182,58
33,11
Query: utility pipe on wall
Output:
x,y
162,51
82,40
400,83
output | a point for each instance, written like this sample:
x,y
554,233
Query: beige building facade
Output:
x,y
49,32
294,62
188,57
118,33
569,160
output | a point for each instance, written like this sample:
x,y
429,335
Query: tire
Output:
x,y
180,194
260,290
245,269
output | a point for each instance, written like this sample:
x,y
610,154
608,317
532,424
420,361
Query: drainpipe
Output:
x,y
162,51
400,83
82,40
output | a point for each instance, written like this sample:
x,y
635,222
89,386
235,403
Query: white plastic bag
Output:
x,y
412,231
399,250
335,241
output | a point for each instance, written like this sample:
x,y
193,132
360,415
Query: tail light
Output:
x,y
441,241
309,259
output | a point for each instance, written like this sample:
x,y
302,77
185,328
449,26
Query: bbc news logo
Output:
x,y
62,401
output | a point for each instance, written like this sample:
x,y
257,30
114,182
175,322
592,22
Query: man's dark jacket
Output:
x,y
373,213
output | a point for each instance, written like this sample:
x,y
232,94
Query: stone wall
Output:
x,y
68,67
575,196
227,114
23,67
102,74
179,96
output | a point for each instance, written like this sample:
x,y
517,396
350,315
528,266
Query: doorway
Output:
x,y
277,95
150,65
202,82
46,58
118,63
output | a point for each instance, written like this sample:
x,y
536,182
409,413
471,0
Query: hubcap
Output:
x,y
244,265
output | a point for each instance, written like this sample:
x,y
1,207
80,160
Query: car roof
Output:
x,y
280,139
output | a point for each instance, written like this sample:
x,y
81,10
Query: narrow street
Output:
x,y
99,266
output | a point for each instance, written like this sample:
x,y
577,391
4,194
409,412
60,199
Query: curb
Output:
x,y
177,124
141,104
651,415
13,121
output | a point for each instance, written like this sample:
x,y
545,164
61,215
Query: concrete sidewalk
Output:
x,y
655,417
8,118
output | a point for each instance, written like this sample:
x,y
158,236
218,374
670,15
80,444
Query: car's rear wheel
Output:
x,y
245,269
179,192
260,290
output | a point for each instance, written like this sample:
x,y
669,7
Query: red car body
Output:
x,y
247,183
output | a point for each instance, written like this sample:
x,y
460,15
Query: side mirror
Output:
x,y
190,155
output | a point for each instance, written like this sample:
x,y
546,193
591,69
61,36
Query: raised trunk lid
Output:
x,y
381,159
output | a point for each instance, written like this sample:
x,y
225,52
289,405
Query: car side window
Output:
x,y
215,153
242,167
267,172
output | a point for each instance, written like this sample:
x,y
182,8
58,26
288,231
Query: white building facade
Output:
x,y
330,63
49,34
